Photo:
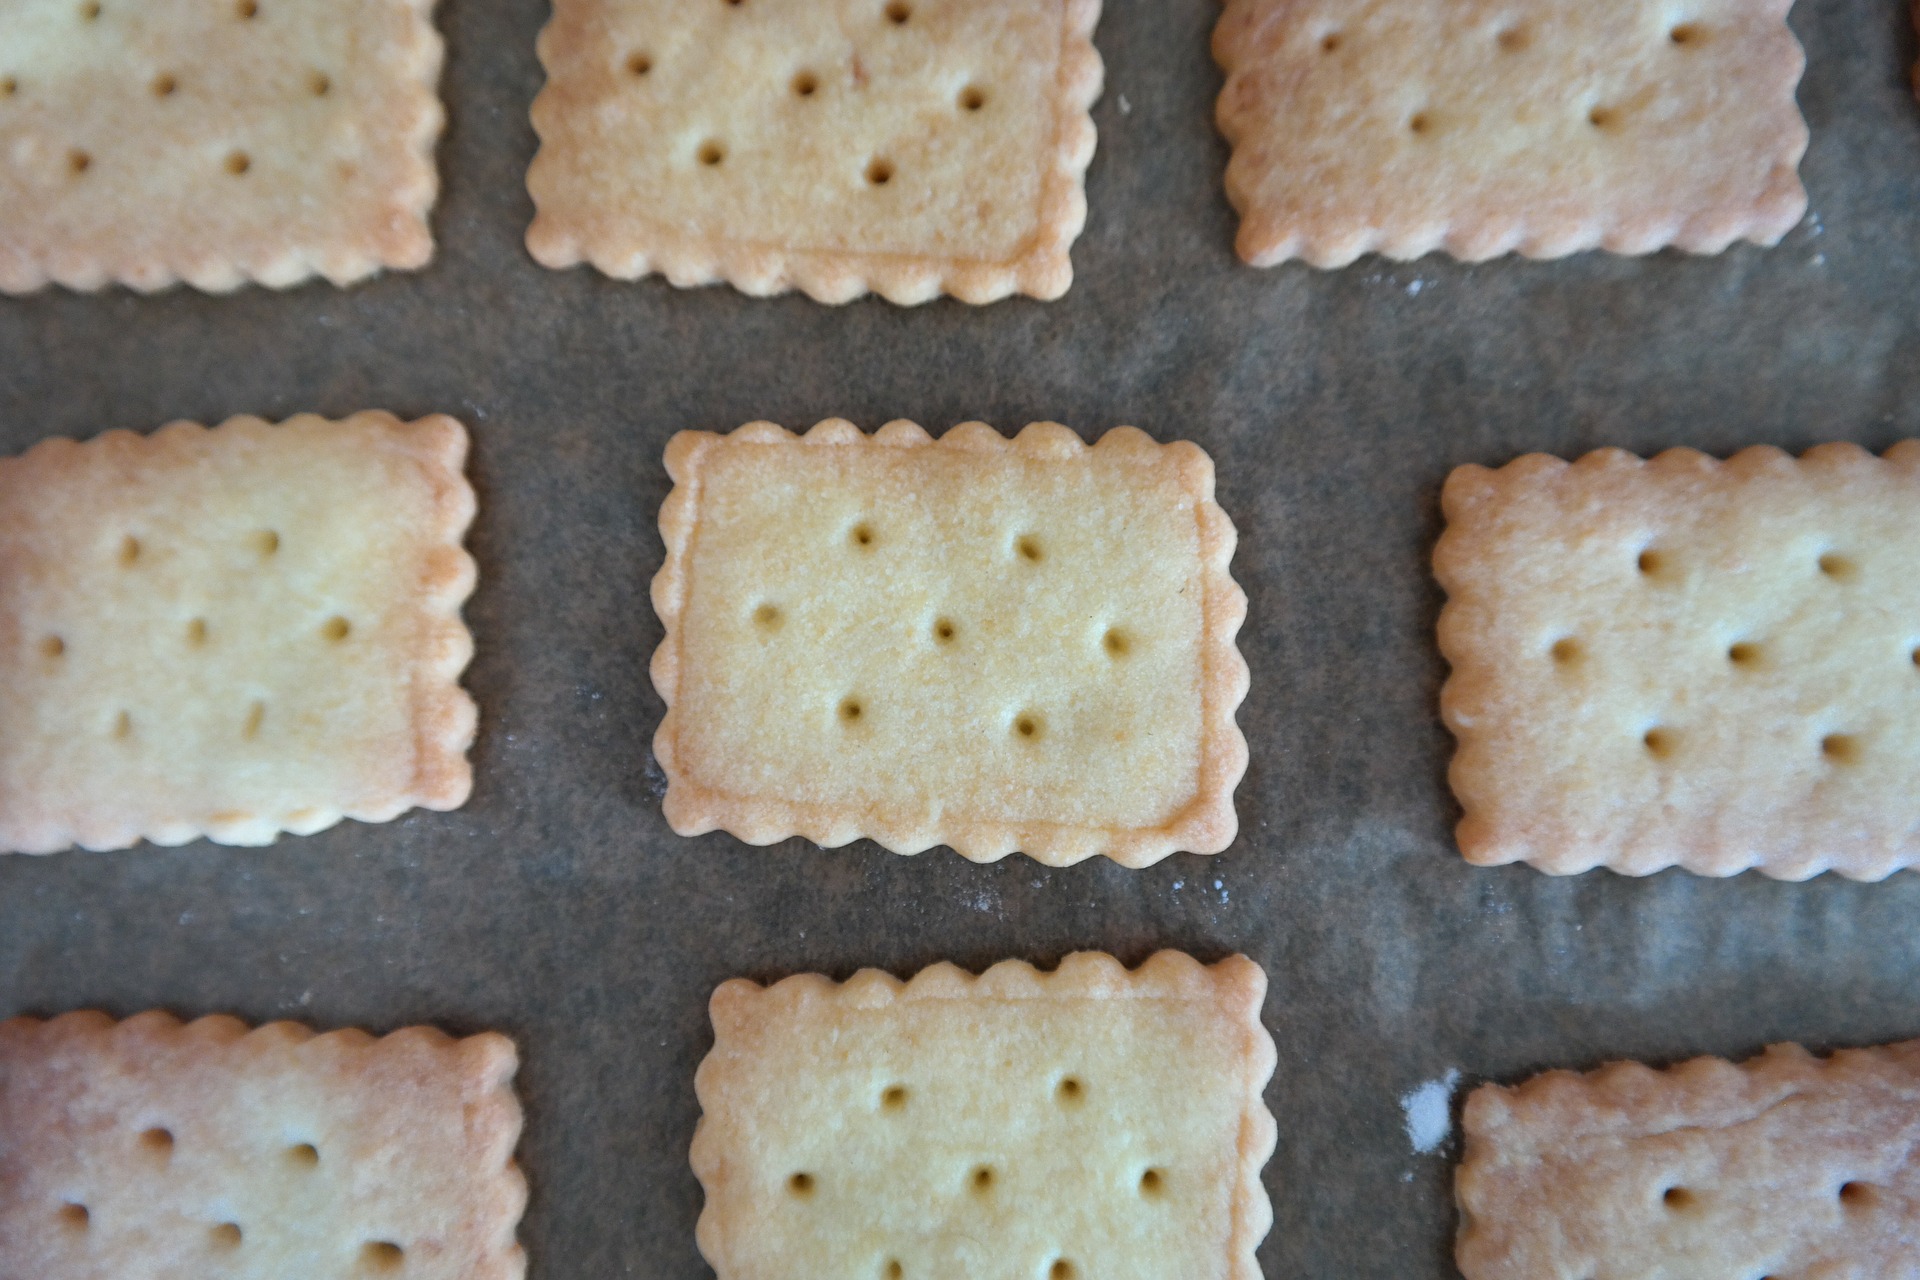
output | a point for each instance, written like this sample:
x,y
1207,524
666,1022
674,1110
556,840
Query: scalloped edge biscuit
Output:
x,y
82,1096
1269,49
1207,824
443,716
563,236
1511,812
395,235
1542,1157
744,1014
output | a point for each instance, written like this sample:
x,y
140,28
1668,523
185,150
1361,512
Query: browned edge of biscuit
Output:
x,y
1472,501
1236,984
1042,269
486,1063
1506,1125
444,715
1207,824
1330,240
404,241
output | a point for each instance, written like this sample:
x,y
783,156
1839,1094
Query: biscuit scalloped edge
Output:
x,y
1507,1125
1327,241
403,241
1236,985
486,1063
1487,837
444,716
1041,268
1207,824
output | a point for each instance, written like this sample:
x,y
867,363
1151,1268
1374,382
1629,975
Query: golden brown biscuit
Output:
x,y
232,632
1688,662
1483,126
214,141
1787,1165
1089,1122
993,644
155,1148
910,147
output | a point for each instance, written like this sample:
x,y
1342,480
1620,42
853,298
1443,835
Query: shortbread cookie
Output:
x,y
1487,126
909,147
1088,1123
1785,1166
214,141
1686,662
155,1148
232,632
996,645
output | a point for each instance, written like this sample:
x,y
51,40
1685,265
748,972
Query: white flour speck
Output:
x,y
1125,106
1429,1112
1179,884
1414,287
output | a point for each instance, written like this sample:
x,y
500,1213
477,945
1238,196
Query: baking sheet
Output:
x,y
558,907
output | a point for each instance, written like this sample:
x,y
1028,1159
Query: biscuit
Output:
x,y
909,147
1086,1123
994,644
155,1148
1787,1165
1486,126
214,141
232,632
1714,665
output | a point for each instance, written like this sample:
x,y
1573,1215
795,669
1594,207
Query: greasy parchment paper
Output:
x,y
558,907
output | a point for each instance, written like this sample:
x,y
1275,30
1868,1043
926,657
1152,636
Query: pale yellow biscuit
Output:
x,y
1487,126
232,632
1786,1166
152,1148
214,141
1088,1124
910,147
1686,662
996,645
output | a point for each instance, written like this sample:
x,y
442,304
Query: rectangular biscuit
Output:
x,y
1088,1123
1487,126
996,645
232,632
1714,665
1785,1166
910,147
214,141
155,1148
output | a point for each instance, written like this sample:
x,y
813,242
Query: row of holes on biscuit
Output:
x,y
1744,655
157,1144
197,635
769,618
1853,1197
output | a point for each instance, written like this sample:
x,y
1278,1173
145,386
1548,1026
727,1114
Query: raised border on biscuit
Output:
x,y
405,243
444,717
558,239
1330,239
1208,823
1547,840
487,1062
1505,1126
1235,982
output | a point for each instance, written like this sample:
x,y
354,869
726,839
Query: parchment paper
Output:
x,y
558,907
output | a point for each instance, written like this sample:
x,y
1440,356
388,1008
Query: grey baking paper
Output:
x,y
559,908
